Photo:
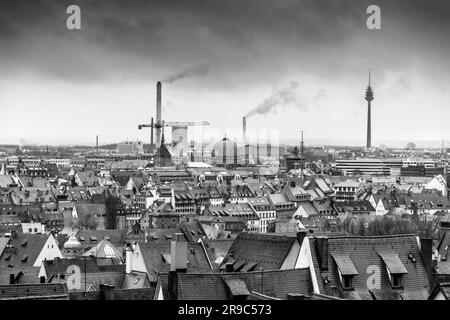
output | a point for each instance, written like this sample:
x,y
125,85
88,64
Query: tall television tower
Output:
x,y
369,98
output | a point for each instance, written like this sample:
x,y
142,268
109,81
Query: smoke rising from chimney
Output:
x,y
280,98
191,71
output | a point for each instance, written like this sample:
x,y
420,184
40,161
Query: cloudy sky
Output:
x,y
290,64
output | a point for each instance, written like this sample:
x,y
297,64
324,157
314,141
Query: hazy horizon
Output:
x,y
289,65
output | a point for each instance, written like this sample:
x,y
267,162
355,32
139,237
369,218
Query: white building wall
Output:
x,y
50,251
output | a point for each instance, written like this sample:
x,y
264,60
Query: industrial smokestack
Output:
x,y
158,113
244,138
151,150
244,130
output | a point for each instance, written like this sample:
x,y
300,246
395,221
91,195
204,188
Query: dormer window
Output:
x,y
397,280
394,267
347,282
346,269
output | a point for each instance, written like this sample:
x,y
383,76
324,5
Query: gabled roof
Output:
x,y
261,250
444,288
23,249
104,249
155,255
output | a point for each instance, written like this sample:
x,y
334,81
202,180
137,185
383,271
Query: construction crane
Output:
x,y
179,131
179,128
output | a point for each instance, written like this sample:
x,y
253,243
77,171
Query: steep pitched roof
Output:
x,y
104,249
394,253
23,249
155,255
255,251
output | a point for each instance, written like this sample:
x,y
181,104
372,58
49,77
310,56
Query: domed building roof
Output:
x,y
225,152
72,243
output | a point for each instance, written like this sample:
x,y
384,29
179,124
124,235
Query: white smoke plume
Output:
x,y
190,71
280,98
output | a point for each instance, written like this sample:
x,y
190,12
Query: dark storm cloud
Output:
x,y
139,39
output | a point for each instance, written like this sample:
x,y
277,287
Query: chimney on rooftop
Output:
x,y
229,267
301,234
128,259
12,278
322,252
178,263
108,292
178,253
426,247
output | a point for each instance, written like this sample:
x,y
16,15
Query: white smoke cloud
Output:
x,y
280,98
190,71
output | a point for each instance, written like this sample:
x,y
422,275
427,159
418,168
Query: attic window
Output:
x,y
7,257
395,267
82,238
93,238
397,281
24,243
168,236
347,282
24,258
